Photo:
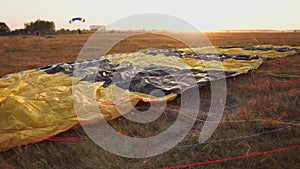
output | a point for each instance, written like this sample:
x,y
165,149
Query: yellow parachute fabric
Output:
x,y
35,105
237,51
229,65
39,105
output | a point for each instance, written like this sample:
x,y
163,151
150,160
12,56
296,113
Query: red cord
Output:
x,y
233,158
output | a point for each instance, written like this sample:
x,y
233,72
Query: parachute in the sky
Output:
x,y
80,19
37,104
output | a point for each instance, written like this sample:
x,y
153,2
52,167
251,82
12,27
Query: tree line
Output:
x,y
39,27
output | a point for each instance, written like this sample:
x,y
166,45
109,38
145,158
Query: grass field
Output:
x,y
263,100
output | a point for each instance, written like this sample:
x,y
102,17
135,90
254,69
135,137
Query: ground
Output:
x,y
263,100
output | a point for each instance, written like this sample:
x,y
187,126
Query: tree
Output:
x,y
19,32
44,27
4,29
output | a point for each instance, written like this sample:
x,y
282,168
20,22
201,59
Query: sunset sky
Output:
x,y
206,15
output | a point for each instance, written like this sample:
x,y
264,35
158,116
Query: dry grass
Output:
x,y
257,95
19,53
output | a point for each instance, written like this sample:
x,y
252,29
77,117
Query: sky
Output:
x,y
205,15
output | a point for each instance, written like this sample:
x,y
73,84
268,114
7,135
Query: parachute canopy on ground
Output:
x,y
38,103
